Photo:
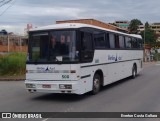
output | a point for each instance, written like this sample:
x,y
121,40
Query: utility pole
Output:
x,y
8,44
144,53
20,40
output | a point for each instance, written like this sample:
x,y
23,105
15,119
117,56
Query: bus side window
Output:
x,y
87,41
99,40
112,40
121,42
87,47
128,42
139,43
134,43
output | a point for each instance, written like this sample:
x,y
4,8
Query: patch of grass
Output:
x,y
13,64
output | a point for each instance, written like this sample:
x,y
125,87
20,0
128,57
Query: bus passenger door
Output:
x,y
87,50
86,58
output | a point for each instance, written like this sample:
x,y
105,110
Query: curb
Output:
x,y
11,79
149,62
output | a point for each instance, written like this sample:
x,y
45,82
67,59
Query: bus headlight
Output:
x,y
65,86
30,86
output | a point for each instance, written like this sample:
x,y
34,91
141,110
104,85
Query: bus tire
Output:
x,y
134,71
96,84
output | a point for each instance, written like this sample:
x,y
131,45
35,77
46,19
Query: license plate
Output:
x,y
46,86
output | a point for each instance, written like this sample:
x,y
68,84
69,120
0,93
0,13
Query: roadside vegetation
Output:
x,y
13,64
156,57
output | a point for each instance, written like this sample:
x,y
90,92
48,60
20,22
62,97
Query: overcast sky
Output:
x,y
45,12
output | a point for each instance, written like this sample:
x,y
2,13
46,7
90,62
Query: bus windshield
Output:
x,y
54,46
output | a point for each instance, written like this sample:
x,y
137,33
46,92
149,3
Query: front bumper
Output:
x,y
67,87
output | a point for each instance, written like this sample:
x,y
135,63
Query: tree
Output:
x,y
147,25
3,32
133,26
149,35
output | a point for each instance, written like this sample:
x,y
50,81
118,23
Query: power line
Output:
x,y
5,3
2,1
8,7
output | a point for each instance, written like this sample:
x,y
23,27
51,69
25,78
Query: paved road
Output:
x,y
129,95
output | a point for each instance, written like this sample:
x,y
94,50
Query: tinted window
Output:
x,y
99,40
140,43
134,43
87,41
121,42
112,40
87,47
128,42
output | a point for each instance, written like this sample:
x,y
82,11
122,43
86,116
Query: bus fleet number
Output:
x,y
65,76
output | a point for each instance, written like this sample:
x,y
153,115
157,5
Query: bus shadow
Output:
x,y
61,97
119,82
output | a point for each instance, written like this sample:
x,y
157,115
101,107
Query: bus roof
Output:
x,y
78,25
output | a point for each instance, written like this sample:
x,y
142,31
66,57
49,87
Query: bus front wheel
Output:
x,y
96,84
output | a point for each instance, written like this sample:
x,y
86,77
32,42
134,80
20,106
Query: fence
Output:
x,y
12,43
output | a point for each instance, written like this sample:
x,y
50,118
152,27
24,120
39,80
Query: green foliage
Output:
x,y
150,36
156,56
13,64
147,25
133,26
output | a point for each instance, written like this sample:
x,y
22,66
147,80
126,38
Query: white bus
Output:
x,y
77,58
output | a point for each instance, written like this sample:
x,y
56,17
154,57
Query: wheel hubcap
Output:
x,y
134,73
96,83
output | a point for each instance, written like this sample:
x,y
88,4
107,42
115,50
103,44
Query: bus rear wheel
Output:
x,y
134,71
96,84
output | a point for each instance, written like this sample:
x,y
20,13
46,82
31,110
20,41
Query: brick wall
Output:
x,y
14,44
12,48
